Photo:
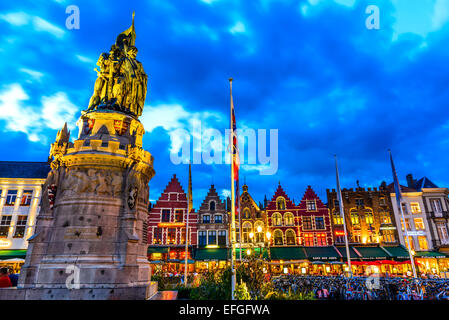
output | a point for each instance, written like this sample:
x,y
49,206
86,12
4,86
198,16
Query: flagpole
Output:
x,y
187,225
342,214
234,277
397,188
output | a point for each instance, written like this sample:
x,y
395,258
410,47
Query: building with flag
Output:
x,y
167,227
253,221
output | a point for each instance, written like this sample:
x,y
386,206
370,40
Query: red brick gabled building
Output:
x,y
167,219
282,219
315,224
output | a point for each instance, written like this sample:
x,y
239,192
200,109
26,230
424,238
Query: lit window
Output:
x,y
276,219
321,239
385,217
422,243
388,236
414,206
411,242
280,203
179,215
308,240
382,201
355,219
407,221
246,230
311,205
290,237
338,219
259,235
11,198
369,218
278,238
246,213
4,226
288,218
26,197
157,238
419,224
307,223
20,226
171,235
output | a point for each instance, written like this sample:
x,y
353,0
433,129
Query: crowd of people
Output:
x,y
364,288
7,278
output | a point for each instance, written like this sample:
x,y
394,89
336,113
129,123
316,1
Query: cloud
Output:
x,y
440,14
36,75
58,109
55,110
238,27
84,59
20,19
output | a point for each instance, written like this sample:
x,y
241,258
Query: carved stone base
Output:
x,y
127,293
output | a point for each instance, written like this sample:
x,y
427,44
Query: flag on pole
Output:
x,y
397,191
235,157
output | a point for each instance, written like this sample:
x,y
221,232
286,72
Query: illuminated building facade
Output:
x,y
20,191
253,221
213,221
368,215
167,225
307,224
415,219
436,207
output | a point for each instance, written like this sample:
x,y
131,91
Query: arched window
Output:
x,y
212,206
369,218
290,237
276,219
280,203
247,229
278,237
355,219
246,213
259,234
289,220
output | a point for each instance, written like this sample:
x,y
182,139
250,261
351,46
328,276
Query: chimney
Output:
x,y
410,181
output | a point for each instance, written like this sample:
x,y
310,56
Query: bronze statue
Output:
x,y
122,82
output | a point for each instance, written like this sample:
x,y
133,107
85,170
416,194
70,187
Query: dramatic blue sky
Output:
x,y
309,68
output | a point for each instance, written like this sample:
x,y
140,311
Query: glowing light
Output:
x,y
285,270
5,243
248,252
211,246
171,224
251,235
259,229
303,270
268,235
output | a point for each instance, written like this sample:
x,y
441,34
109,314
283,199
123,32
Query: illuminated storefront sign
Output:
x,y
5,243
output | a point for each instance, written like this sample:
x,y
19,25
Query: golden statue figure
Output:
x,y
122,82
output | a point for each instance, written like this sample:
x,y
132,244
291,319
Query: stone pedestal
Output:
x,y
90,240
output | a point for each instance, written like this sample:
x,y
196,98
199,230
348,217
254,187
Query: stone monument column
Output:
x,y
90,240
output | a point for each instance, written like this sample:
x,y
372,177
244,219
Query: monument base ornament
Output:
x,y
90,240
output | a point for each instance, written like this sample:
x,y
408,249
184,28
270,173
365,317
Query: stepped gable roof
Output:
x,y
280,193
310,194
212,193
24,169
246,193
390,188
174,186
424,182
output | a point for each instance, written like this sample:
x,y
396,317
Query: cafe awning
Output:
x,y
430,254
211,254
12,254
372,253
157,250
352,253
397,252
288,253
322,253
